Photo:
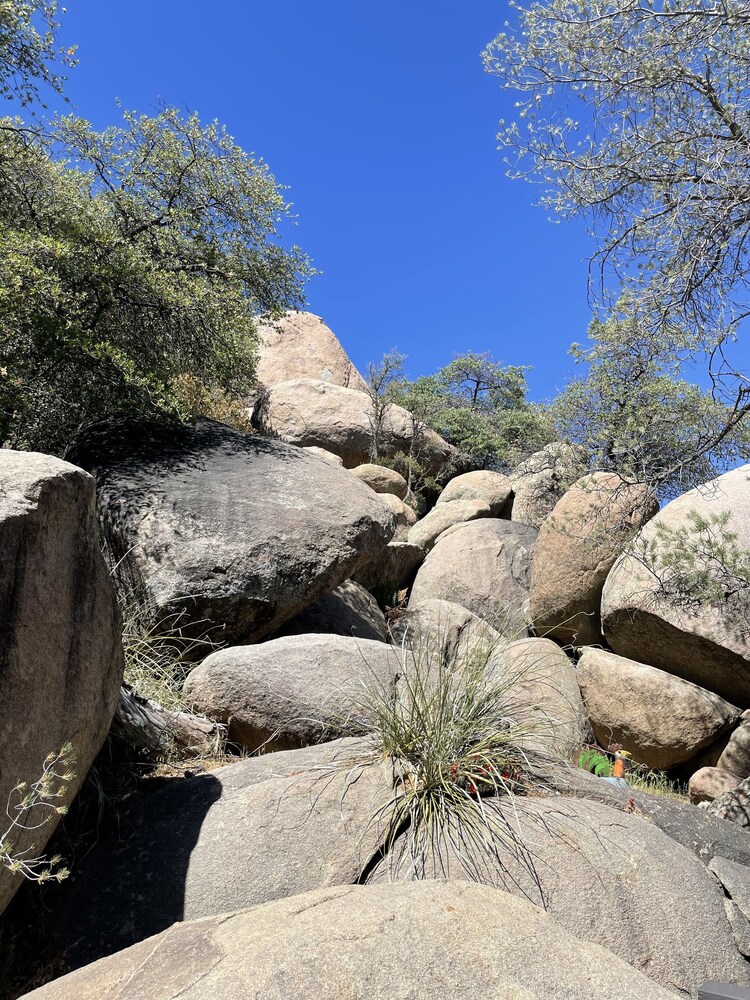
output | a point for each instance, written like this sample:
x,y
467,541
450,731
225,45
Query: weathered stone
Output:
x,y
577,546
327,456
660,719
492,487
290,692
228,528
348,610
643,614
540,481
735,757
483,566
300,345
306,411
404,516
709,783
61,660
262,829
393,568
444,629
733,805
421,940
427,531
381,479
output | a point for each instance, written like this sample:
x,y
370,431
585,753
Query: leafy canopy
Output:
x,y
29,51
139,258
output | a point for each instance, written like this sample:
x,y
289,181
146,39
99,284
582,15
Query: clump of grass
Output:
x,y
455,724
31,807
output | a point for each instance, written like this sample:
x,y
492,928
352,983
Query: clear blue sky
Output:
x,y
382,122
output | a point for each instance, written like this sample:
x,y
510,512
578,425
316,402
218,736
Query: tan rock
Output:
x,y
61,659
327,456
492,487
577,546
709,783
427,531
735,757
381,479
540,481
300,345
659,718
404,516
643,616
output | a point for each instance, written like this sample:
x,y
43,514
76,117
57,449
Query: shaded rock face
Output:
x,y
612,879
227,527
61,660
735,756
420,940
293,691
659,718
394,567
348,610
443,516
540,481
382,480
577,546
492,488
442,628
305,411
261,829
733,805
708,783
485,567
644,610
404,516
300,345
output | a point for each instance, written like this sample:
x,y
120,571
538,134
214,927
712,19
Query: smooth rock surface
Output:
x,y
540,481
261,829
441,628
381,479
227,527
305,411
577,546
327,456
483,566
443,516
404,516
422,941
735,757
300,345
708,783
290,692
491,487
641,611
348,610
660,719
61,659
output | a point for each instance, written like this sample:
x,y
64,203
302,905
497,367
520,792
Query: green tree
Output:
x,y
30,53
142,257
635,115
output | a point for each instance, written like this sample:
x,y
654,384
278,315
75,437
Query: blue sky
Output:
x,y
382,122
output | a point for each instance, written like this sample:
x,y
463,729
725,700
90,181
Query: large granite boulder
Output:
x,y
420,940
540,481
350,610
735,756
659,718
609,877
61,659
577,546
435,628
290,692
647,613
392,569
708,783
300,345
483,566
307,411
491,487
428,529
404,516
262,829
382,479
227,528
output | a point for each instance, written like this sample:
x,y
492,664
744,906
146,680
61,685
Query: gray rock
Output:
x,y
348,610
394,568
61,660
491,487
577,546
540,481
640,610
422,940
708,783
300,345
290,692
404,516
327,456
735,756
483,566
228,527
660,719
442,628
733,805
381,479
258,830
427,531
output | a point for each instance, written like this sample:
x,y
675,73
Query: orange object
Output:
x,y
618,770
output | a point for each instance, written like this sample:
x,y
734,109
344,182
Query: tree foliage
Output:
x,y
635,114
30,53
140,257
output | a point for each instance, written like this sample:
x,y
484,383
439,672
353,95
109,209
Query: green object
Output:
x,y
595,762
